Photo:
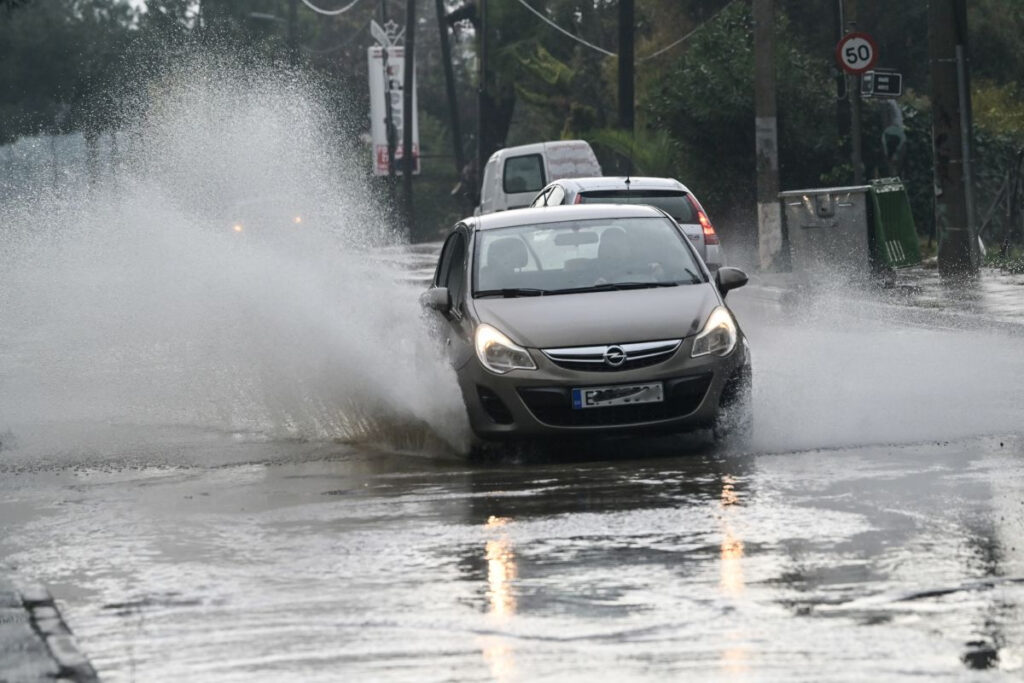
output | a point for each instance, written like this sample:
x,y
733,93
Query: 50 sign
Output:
x,y
856,53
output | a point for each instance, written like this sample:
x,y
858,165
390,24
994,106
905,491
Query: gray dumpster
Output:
x,y
828,230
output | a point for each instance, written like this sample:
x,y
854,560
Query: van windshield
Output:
x,y
585,255
673,202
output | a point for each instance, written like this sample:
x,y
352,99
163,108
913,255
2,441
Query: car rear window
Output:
x,y
672,202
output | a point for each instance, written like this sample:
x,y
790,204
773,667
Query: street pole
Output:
x,y
951,133
389,120
856,156
482,151
769,213
449,82
842,91
626,26
407,112
963,89
293,32
856,146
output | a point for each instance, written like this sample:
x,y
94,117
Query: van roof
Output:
x,y
553,146
554,214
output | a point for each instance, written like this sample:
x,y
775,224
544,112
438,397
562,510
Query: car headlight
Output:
x,y
718,336
499,354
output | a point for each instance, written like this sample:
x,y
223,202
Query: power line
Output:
x,y
330,12
612,54
340,46
677,42
562,30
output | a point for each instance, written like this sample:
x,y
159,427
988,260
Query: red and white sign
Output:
x,y
387,84
856,52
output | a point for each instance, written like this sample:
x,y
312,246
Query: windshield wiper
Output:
x,y
511,292
697,279
615,286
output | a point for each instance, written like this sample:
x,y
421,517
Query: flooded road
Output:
x,y
873,529
652,560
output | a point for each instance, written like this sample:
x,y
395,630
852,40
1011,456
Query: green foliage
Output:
x,y
998,109
62,58
73,65
653,152
996,27
706,103
1012,263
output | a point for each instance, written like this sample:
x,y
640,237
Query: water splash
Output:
x,y
225,273
841,367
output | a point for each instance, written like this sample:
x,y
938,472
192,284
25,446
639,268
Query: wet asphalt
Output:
x,y
353,564
882,544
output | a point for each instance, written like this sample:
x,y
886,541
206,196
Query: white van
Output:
x,y
514,175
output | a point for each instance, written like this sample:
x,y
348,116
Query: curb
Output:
x,y
46,620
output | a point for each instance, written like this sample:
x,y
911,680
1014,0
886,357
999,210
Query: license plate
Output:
x,y
617,395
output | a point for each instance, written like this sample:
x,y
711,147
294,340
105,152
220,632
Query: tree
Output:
x,y
706,103
63,55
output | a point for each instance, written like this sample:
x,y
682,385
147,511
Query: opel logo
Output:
x,y
614,356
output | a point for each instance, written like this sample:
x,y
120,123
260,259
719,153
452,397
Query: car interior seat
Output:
x,y
504,257
614,249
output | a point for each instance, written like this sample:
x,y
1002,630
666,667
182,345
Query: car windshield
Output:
x,y
673,202
580,256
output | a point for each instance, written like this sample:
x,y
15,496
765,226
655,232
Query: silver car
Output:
x,y
588,320
667,194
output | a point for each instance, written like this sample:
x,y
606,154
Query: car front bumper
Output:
x,y
537,403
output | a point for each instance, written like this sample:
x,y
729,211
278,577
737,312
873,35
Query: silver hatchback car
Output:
x,y
667,194
589,320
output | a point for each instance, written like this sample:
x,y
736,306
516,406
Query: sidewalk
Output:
x,y
917,295
35,643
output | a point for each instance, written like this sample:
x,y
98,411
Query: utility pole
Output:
x,y
449,82
293,32
482,151
842,92
769,213
856,146
408,89
389,119
627,22
951,137
853,92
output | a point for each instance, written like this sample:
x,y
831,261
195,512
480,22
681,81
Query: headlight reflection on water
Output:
x,y
734,655
502,572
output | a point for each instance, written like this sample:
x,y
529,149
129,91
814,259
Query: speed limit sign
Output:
x,y
856,52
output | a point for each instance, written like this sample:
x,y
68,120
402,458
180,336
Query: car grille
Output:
x,y
553,405
603,358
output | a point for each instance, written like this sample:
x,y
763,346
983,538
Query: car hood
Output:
x,y
600,317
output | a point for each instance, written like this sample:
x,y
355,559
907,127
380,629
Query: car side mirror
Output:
x,y
436,299
729,278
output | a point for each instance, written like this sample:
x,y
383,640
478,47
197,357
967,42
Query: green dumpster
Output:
x,y
895,242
